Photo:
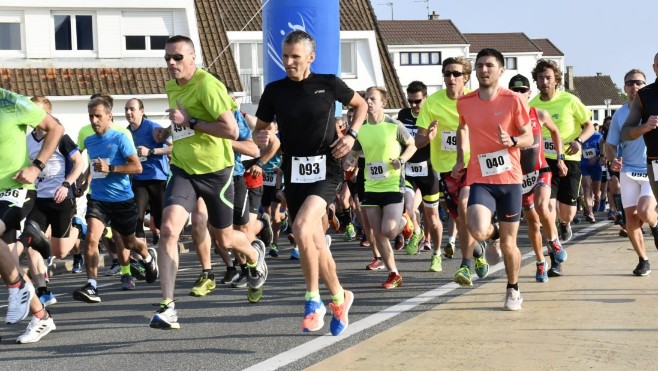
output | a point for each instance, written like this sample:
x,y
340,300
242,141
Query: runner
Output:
x,y
495,121
304,106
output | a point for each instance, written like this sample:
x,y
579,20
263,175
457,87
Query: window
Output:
x,y
420,58
595,115
146,42
248,57
510,63
348,59
10,36
74,32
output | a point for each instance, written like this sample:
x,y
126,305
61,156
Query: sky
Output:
x,y
595,36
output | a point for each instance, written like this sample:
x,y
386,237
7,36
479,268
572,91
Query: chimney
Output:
x,y
434,16
568,83
598,74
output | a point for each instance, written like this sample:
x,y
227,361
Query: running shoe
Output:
x,y
230,275
284,222
611,215
266,234
481,267
127,282
19,302
137,270
314,312
364,241
590,218
36,329
565,232
654,233
575,220
449,249
623,233
274,250
394,280
78,264
375,264
643,268
203,285
166,317
619,219
542,272
556,270
463,276
114,269
151,268
492,252
258,274
513,300
399,242
350,233
408,229
333,220
87,293
443,215
81,225
155,239
33,237
426,245
294,254
558,250
412,246
435,264
240,282
254,295
340,320
47,298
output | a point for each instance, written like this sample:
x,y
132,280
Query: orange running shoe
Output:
x,y
394,280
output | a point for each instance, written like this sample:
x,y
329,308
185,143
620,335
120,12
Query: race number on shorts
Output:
x,y
416,169
529,181
269,179
14,197
308,169
495,162
377,171
589,153
180,132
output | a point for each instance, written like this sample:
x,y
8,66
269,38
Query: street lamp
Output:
x,y
607,106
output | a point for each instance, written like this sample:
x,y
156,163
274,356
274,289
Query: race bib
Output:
x,y
448,140
308,169
549,147
495,162
589,153
143,158
529,181
179,132
269,179
638,177
15,197
413,131
377,171
416,169
99,174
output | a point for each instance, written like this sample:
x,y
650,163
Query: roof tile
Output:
x,y
513,42
427,32
593,90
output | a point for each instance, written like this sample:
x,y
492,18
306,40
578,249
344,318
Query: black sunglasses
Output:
x,y
520,90
453,74
176,57
634,82
414,101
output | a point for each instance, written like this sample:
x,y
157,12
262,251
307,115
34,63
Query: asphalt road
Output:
x,y
223,330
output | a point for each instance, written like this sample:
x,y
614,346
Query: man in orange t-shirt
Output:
x,y
495,121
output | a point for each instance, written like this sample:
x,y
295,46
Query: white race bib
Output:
x,y
15,196
377,171
637,176
415,169
99,174
589,153
269,179
654,167
448,140
180,132
413,132
495,162
529,181
549,147
143,158
309,169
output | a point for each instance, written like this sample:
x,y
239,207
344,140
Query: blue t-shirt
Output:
x,y
244,134
154,167
591,148
633,152
114,147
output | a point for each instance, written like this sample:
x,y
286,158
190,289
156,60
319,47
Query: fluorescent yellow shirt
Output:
x,y
443,148
568,113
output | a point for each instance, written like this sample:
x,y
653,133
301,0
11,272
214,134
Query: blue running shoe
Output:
x,y
79,223
294,254
314,312
558,250
340,320
542,272
47,298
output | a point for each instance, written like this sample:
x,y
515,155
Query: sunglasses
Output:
x,y
520,90
414,101
453,74
176,57
634,82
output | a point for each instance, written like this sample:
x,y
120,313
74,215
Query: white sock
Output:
x,y
92,282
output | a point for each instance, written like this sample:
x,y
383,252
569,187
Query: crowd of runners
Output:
x,y
479,161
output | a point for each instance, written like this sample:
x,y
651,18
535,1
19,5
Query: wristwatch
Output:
x,y
560,156
66,184
352,133
193,122
151,151
579,140
514,141
38,164
111,169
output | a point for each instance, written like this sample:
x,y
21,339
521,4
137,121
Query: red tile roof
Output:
x,y
516,42
548,48
428,32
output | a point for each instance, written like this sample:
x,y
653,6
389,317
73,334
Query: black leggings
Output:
x,y
151,193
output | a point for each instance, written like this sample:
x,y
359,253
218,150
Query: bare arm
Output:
x,y
631,129
55,132
245,147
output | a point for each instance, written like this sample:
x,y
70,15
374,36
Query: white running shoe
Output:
x,y
19,303
513,300
36,329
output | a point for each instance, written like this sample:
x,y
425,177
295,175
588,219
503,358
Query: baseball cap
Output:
x,y
519,81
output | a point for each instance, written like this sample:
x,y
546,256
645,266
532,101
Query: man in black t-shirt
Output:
x,y
304,105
